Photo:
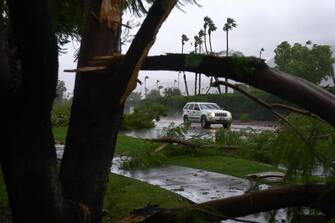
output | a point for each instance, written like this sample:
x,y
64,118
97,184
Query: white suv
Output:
x,y
206,113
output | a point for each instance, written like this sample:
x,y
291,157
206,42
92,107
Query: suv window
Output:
x,y
196,107
186,106
190,107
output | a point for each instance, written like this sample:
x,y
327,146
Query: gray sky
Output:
x,y
261,24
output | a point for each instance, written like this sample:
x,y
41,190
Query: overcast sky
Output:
x,y
261,24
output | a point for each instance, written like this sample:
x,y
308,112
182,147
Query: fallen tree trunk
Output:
x,y
238,206
248,70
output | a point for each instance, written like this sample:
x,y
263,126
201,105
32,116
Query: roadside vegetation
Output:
x,y
251,153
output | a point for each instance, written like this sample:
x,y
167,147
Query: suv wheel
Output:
x,y
204,123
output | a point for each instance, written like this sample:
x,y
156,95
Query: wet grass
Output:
x,y
211,160
222,164
125,194
122,196
60,134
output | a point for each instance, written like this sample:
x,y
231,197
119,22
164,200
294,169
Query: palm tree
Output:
x,y
205,32
229,25
211,28
184,39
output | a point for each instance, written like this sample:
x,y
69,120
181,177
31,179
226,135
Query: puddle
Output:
x,y
195,185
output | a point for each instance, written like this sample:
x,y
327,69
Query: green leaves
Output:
x,y
312,63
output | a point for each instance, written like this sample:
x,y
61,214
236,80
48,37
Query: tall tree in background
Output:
x,y
229,25
60,90
210,27
184,39
311,62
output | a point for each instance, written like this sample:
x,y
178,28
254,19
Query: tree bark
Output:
x,y
94,122
227,54
28,156
185,82
238,206
98,105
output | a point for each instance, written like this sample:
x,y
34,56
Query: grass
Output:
x,y
122,196
60,134
222,164
138,148
125,194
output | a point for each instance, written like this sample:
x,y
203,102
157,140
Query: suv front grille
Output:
x,y
220,114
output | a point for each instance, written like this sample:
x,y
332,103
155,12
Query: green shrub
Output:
x,y
244,117
143,116
60,114
236,103
309,143
259,146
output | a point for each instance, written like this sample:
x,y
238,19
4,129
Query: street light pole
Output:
x,y
260,53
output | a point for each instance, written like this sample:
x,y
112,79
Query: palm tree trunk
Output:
x,y
210,83
195,83
199,90
210,43
184,75
185,81
227,50
205,41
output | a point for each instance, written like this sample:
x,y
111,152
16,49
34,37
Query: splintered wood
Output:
x,y
110,13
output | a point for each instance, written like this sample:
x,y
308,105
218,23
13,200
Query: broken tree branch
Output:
x,y
250,203
249,70
171,140
265,104
142,43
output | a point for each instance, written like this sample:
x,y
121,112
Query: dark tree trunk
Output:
x,y
199,88
227,54
95,120
195,83
238,206
185,82
28,157
98,105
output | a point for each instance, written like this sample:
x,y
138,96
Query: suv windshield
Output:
x,y
209,107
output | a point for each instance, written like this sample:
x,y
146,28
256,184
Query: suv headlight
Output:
x,y
211,114
229,115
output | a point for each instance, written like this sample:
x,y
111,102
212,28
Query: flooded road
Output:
x,y
195,128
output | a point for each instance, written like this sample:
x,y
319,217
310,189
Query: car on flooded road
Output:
x,y
206,113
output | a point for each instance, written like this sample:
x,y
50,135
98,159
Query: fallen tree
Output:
x,y
249,70
229,208
172,140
